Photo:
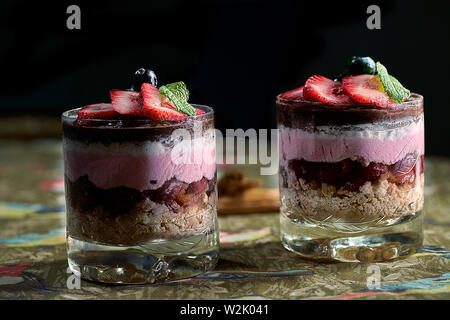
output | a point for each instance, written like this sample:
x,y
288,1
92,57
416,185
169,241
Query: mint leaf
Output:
x,y
392,86
179,95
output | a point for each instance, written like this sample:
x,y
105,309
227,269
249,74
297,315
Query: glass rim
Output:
x,y
209,113
413,101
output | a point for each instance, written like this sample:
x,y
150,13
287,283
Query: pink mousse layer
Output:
x,y
297,144
141,172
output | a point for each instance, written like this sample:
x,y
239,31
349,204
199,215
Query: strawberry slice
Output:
x,y
126,102
98,111
154,107
321,89
367,89
295,94
165,102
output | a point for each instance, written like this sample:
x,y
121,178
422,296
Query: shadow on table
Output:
x,y
268,256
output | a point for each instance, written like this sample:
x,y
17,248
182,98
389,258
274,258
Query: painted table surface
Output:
x,y
252,265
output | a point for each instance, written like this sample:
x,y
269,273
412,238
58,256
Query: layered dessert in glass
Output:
x,y
140,182
351,167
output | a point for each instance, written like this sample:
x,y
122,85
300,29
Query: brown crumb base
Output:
x,y
146,221
381,200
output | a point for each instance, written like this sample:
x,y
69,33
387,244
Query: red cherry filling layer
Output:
x,y
351,175
176,195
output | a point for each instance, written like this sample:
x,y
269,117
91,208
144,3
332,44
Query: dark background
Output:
x,y
233,55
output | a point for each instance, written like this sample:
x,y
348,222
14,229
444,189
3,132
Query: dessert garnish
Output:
x,y
391,85
156,107
169,102
365,82
103,110
126,102
295,94
143,75
360,65
321,89
179,95
367,89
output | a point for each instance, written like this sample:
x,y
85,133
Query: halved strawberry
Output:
x,y
295,94
321,89
98,111
126,102
367,89
153,106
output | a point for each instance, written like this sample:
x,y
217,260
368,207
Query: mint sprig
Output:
x,y
179,95
392,86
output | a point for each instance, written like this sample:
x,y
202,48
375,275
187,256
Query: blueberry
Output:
x,y
143,75
360,65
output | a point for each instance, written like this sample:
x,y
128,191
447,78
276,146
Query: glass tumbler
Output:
x,y
351,179
140,197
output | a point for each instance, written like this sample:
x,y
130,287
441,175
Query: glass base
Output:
x,y
352,242
149,262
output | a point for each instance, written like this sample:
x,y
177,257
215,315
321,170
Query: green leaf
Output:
x,y
179,95
391,85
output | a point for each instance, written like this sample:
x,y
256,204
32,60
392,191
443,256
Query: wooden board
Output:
x,y
256,200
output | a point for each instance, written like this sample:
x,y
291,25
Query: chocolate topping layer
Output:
x,y
299,114
130,129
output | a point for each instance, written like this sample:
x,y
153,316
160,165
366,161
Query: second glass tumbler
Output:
x,y
351,179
